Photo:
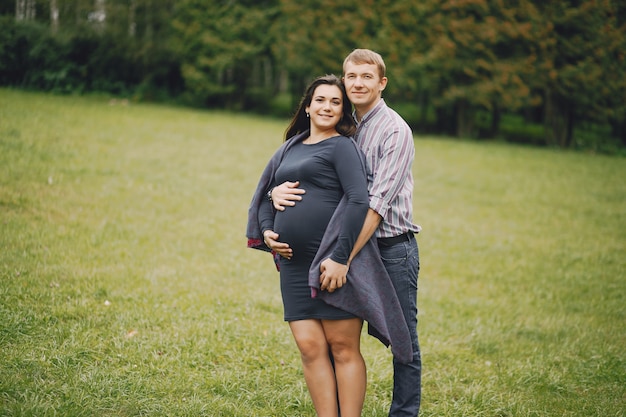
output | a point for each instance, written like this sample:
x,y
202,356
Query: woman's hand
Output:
x,y
333,275
270,238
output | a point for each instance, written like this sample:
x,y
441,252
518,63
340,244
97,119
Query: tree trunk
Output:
x,y
618,128
132,18
297,84
494,129
268,72
446,120
30,9
25,10
465,119
282,85
149,34
54,16
98,17
558,121
20,9
423,117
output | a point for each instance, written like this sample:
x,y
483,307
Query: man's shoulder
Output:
x,y
391,122
390,119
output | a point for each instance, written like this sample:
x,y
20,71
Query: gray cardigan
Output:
x,y
368,292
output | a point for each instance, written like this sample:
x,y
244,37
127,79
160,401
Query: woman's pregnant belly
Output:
x,y
302,226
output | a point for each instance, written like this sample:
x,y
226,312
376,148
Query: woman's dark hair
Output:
x,y
300,122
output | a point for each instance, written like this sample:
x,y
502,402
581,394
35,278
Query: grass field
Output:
x,y
126,288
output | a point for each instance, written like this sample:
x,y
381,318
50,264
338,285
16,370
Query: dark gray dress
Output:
x,y
326,170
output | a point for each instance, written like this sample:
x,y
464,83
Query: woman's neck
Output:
x,y
319,135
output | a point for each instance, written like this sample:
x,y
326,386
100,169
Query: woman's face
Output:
x,y
326,107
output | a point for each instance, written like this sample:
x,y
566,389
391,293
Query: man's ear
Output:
x,y
383,83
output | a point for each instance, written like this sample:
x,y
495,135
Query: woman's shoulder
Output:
x,y
346,141
347,149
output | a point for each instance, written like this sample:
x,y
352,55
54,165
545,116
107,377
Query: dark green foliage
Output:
x,y
455,67
82,56
224,49
16,43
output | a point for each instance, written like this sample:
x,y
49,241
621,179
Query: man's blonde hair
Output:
x,y
366,56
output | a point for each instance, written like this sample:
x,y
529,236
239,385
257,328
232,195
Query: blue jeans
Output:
x,y
402,263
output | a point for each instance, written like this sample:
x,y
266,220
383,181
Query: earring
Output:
x,y
307,114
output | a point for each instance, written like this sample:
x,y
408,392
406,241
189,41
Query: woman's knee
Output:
x,y
309,337
312,348
344,348
344,338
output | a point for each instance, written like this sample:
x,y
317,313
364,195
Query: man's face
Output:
x,y
363,85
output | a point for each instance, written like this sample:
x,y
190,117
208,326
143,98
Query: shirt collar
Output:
x,y
370,114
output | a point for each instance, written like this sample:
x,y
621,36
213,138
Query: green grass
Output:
x,y
126,288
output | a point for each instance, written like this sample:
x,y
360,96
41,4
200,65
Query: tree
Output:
x,y
581,64
297,27
450,62
315,35
477,58
222,45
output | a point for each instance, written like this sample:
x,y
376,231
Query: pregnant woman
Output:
x,y
319,153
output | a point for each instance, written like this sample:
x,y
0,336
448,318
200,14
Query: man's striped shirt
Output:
x,y
387,142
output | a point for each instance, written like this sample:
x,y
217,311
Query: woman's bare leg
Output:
x,y
318,370
344,338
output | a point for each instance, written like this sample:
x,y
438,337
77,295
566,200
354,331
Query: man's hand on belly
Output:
x,y
286,195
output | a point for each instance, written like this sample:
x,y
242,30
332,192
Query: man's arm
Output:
x,y
372,221
283,195
286,195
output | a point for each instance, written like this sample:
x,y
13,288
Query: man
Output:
x,y
387,142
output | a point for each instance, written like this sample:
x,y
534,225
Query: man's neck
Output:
x,y
361,111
